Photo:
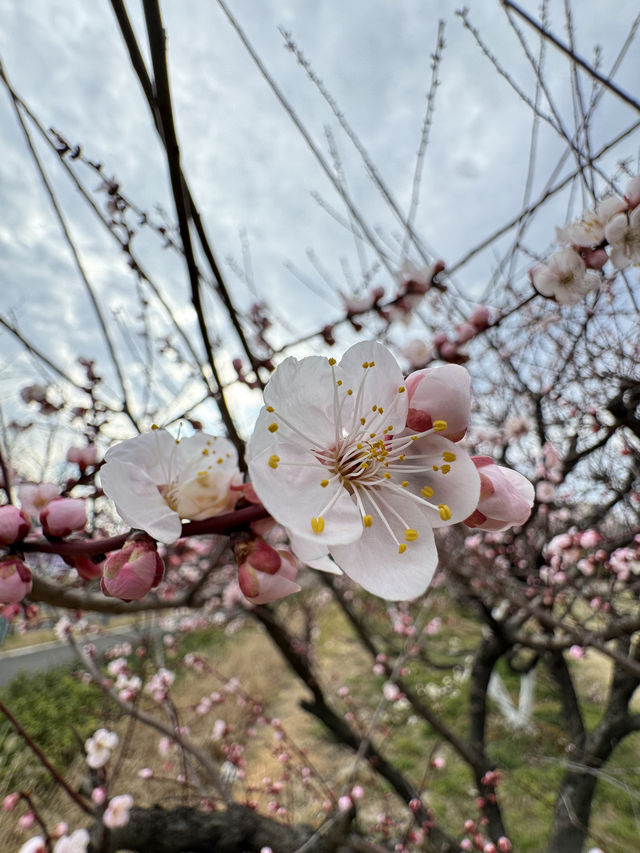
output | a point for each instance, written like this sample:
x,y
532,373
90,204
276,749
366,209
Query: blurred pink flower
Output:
x,y
83,457
77,842
34,498
117,812
15,580
62,516
564,277
99,747
623,234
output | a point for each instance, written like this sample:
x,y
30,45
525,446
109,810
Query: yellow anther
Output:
x,y
272,427
359,446
402,548
448,456
445,468
445,512
374,408
332,361
435,467
205,452
202,474
401,389
270,409
273,461
404,484
339,382
365,364
372,435
387,475
402,457
317,524
414,438
349,391
380,410
363,421
324,483
372,364
367,521
439,425
426,492
390,428
219,461
410,534
155,426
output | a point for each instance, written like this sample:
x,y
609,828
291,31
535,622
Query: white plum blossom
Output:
x,y
117,812
590,230
99,747
77,842
332,461
565,277
623,234
155,480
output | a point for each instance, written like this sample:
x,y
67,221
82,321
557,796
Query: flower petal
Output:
x,y
138,501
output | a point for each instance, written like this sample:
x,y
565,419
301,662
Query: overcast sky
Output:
x,y
247,165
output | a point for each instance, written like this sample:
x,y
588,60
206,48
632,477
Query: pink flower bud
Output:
x,y
506,497
27,820
464,333
117,812
14,524
480,317
504,845
34,498
62,516
84,457
85,567
15,580
10,801
129,574
260,587
440,394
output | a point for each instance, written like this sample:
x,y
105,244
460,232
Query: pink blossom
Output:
x,y
564,277
60,829
545,491
506,497
99,747
623,234
357,792
83,457
590,539
129,574
576,652
62,516
117,812
11,801
480,317
27,820
34,498
345,803
439,762
145,773
417,353
440,394
14,524
390,691
15,580
504,845
464,333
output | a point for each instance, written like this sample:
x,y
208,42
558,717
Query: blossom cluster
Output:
x,y
609,233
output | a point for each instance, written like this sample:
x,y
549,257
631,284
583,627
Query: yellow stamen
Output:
x,y
448,456
270,409
155,426
205,452
445,469
317,524
445,512
367,521
332,361
272,427
404,484
273,461
439,426
363,421
426,492
401,389
410,534
402,548
324,483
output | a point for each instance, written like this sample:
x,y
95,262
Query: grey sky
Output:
x,y
248,167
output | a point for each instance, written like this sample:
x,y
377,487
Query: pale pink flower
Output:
x,y
129,574
15,580
417,353
34,498
99,747
440,393
145,773
77,842
344,803
564,277
333,462
390,691
545,491
439,762
11,801
14,524
576,652
117,812
83,457
506,497
61,828
62,516
156,480
623,234
27,820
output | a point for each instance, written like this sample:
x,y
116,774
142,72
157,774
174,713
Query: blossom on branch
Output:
x,y
264,573
156,480
564,277
14,524
15,580
333,462
129,574
623,234
62,516
99,747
